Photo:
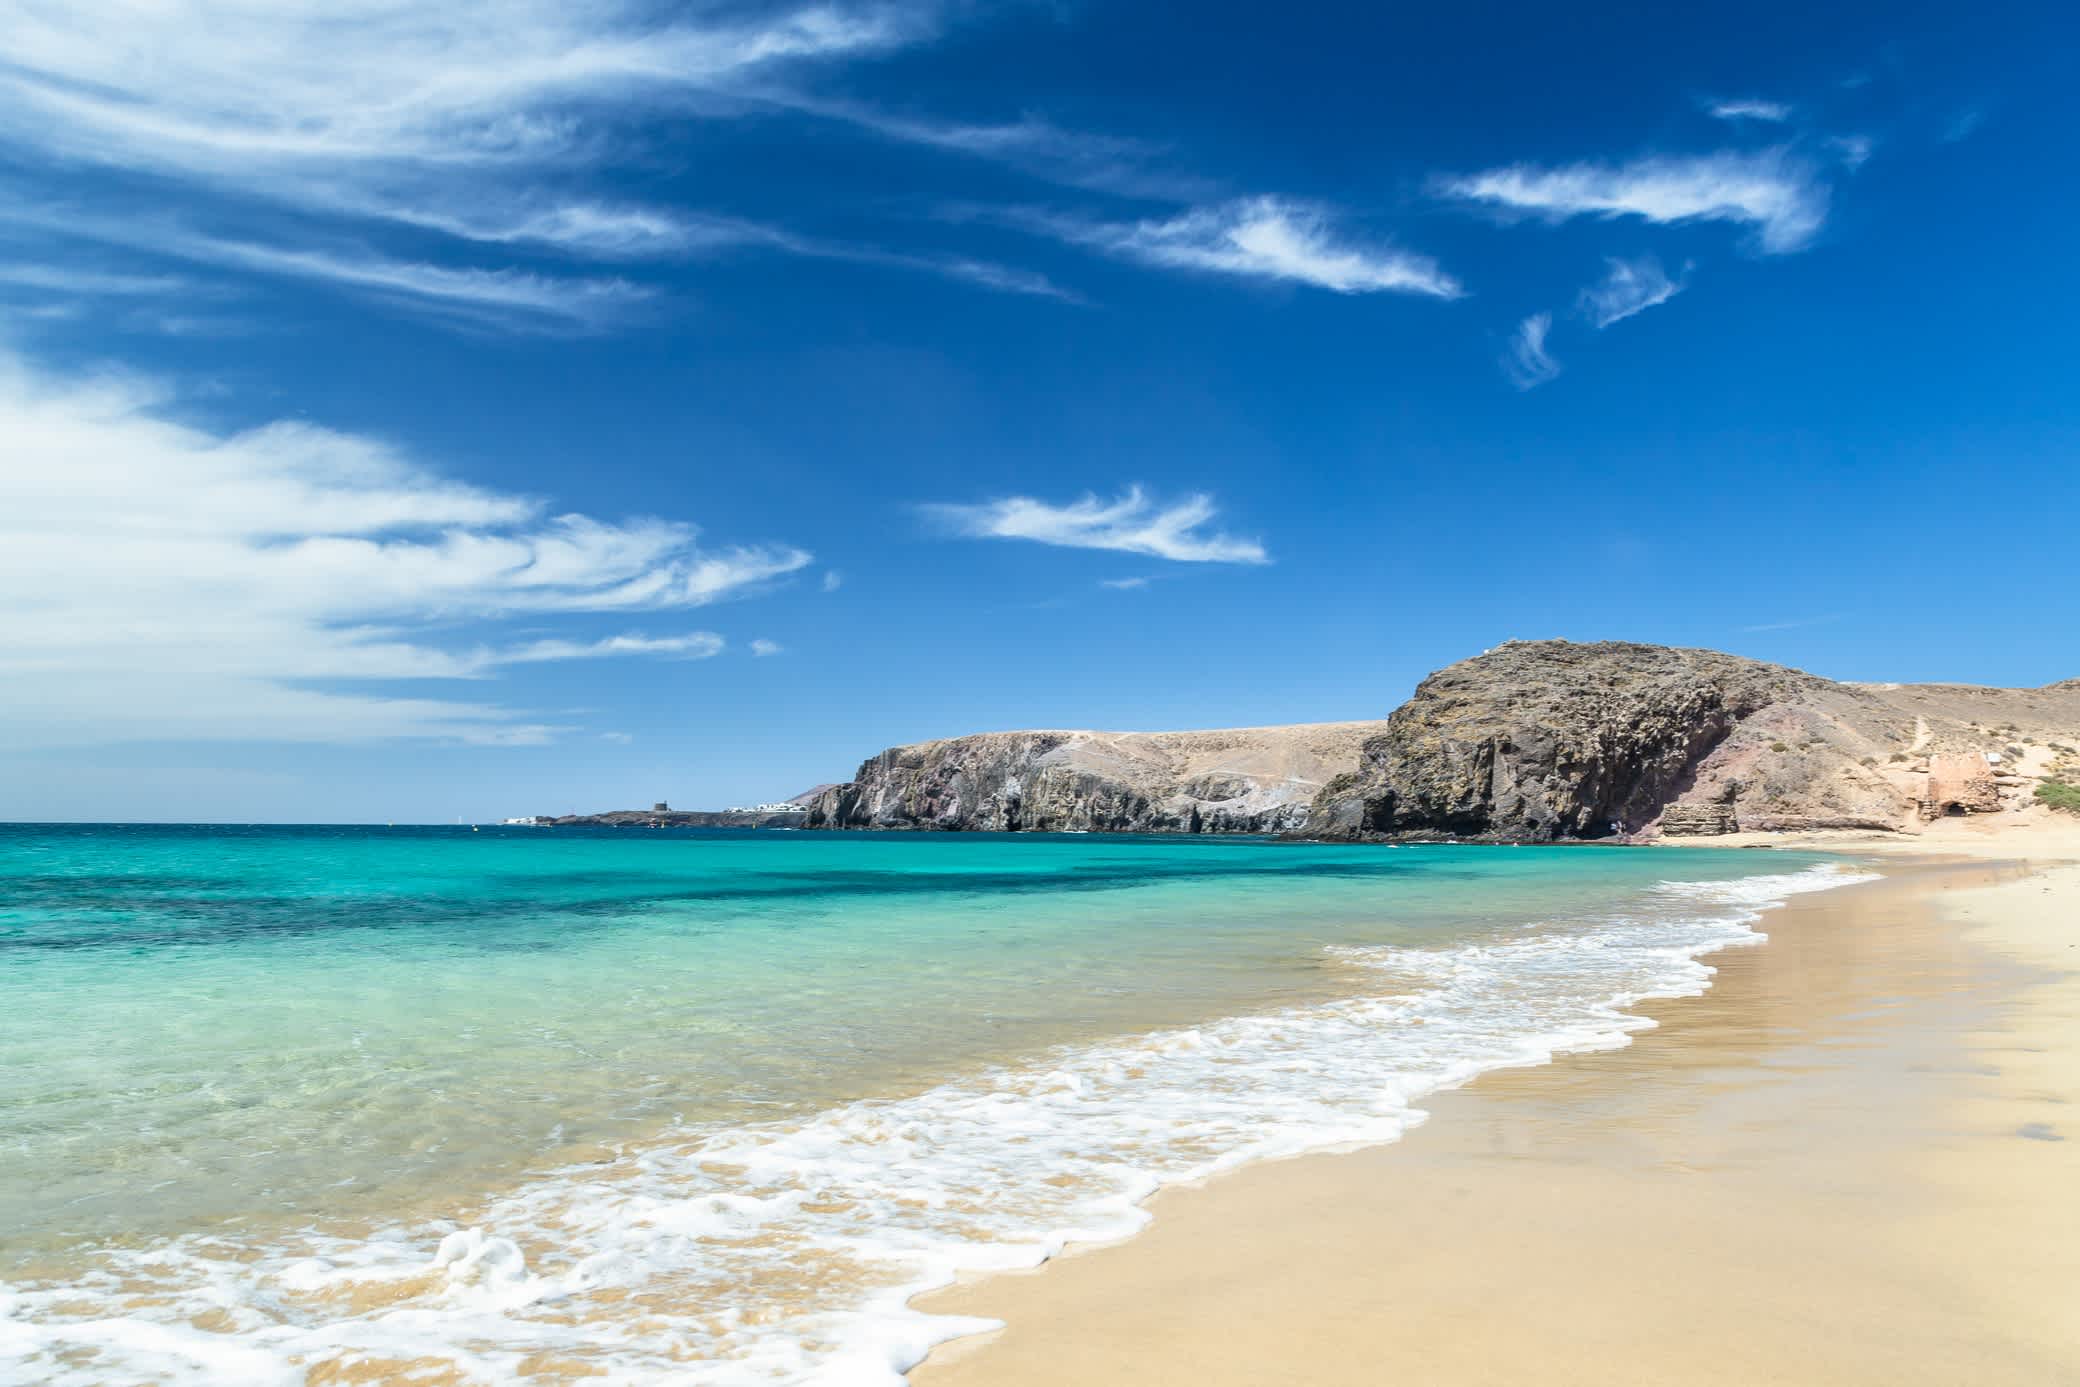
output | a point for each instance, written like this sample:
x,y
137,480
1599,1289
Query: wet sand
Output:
x,y
1855,1160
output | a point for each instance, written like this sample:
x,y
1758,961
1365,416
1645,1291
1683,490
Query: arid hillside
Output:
x,y
1534,741
1245,779
1553,740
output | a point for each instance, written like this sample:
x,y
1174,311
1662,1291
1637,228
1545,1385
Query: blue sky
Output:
x,y
469,409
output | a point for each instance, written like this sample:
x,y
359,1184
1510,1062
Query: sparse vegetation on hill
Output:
x,y
1542,740
2060,787
1533,741
2060,794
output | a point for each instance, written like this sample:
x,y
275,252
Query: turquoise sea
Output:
x,y
309,1105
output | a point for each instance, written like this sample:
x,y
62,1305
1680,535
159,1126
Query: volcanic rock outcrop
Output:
x,y
1544,741
1534,741
1239,780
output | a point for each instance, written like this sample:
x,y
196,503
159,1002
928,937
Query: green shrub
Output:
x,y
1898,756
1779,746
2060,794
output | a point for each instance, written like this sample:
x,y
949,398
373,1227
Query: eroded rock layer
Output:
x,y
1543,741
1237,780
1534,741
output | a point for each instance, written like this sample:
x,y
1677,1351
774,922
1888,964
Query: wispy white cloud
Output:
x,y
696,645
617,738
1527,363
473,119
1119,164
832,580
511,297
602,230
1795,624
193,324
1131,524
636,231
508,295
985,274
1628,287
763,647
254,93
1258,238
64,279
1123,584
226,585
1773,191
1853,150
982,273
1751,108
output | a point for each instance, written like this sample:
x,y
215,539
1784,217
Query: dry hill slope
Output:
x,y
1237,780
1551,740
1534,741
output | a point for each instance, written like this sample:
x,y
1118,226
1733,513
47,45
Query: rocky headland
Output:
x,y
678,818
1542,741
1534,741
1238,780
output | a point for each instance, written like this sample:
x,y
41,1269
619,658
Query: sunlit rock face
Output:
x,y
1237,780
1542,741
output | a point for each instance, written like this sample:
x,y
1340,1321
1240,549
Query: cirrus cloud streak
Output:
x,y
1267,238
1778,195
1527,362
1129,524
1628,287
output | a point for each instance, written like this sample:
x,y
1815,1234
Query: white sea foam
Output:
x,y
788,1252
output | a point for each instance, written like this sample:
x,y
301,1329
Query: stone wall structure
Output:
x,y
1960,783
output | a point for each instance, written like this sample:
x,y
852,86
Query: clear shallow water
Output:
x,y
531,1105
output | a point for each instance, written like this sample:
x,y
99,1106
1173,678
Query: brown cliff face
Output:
x,y
1241,780
1534,741
1542,741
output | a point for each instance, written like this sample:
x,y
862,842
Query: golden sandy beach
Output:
x,y
1855,1160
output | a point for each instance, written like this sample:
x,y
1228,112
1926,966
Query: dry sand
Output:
x,y
1855,1160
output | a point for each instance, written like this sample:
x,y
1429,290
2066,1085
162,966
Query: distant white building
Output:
x,y
783,807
